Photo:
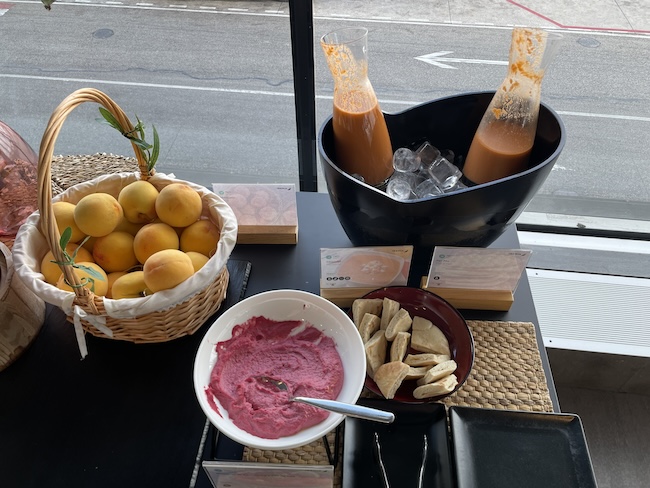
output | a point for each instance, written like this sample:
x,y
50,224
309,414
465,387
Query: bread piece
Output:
x,y
401,322
362,306
400,346
389,377
441,387
376,352
438,372
425,359
426,337
368,326
416,373
389,309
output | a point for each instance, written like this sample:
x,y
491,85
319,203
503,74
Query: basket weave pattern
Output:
x,y
159,326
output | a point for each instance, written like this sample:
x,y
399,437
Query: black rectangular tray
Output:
x,y
503,448
401,447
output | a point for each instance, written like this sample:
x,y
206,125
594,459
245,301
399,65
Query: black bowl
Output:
x,y
474,216
419,302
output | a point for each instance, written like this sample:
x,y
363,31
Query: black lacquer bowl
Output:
x,y
475,216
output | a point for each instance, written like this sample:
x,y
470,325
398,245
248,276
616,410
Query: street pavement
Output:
x,y
631,17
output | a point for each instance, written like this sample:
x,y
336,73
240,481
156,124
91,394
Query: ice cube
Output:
x,y
399,189
427,189
401,186
427,154
458,186
449,155
445,173
405,161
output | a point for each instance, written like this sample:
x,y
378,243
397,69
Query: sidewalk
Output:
x,y
597,15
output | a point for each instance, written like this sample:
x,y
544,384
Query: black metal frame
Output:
x,y
301,19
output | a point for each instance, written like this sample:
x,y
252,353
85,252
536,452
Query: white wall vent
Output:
x,y
590,312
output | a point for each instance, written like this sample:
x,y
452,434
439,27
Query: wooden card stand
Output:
x,y
260,234
343,297
473,299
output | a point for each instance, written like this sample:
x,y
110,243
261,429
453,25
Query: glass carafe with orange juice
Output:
x,y
505,136
361,138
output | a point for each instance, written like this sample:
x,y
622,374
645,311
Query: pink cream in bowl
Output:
x,y
292,351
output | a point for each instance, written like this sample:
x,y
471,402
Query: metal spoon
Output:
x,y
348,409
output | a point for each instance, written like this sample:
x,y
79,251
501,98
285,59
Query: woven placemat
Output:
x,y
314,453
507,371
507,374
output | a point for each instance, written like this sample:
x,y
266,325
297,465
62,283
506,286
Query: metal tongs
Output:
x,y
382,467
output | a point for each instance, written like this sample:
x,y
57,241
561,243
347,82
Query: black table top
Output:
x,y
127,414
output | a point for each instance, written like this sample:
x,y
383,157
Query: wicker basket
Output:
x,y
163,316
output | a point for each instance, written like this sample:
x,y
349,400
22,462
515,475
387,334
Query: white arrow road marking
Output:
x,y
436,58
4,8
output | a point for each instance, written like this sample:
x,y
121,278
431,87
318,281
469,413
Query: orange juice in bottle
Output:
x,y
505,136
361,140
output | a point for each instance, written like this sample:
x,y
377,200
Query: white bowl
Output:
x,y
282,305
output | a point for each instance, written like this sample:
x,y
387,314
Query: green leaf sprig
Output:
x,y
69,259
137,137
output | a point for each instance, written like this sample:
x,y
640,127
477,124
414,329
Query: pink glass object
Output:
x,y
18,181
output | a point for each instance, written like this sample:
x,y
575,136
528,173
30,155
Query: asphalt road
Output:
x,y
218,85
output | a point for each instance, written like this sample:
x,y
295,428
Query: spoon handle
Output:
x,y
349,409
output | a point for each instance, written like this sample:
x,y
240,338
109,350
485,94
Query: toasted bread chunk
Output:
x,y
416,373
362,306
389,309
437,388
438,372
389,377
376,352
426,337
368,326
401,322
425,359
400,346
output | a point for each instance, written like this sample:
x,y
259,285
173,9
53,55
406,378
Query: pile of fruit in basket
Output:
x,y
145,240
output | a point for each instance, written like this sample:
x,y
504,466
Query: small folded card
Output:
x,y
350,273
266,213
476,278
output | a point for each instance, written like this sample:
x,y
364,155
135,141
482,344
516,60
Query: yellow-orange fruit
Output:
x,y
126,226
64,215
114,252
198,259
97,214
130,285
51,271
112,277
201,236
99,286
153,238
89,243
138,200
179,205
166,269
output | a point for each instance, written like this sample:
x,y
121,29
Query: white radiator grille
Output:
x,y
588,312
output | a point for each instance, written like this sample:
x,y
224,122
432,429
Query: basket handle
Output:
x,y
48,222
